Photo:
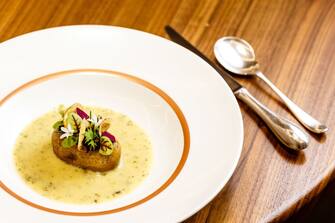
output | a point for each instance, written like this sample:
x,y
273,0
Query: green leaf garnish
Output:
x,y
69,141
107,152
106,146
57,125
74,120
92,138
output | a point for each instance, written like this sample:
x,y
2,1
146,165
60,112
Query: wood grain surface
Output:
x,y
294,43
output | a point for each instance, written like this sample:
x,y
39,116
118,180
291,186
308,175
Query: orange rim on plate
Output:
x,y
137,80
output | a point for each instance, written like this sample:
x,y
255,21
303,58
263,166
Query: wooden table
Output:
x,y
294,41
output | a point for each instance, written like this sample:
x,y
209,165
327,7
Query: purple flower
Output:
x,y
81,113
108,135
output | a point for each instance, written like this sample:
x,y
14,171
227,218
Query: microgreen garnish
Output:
x,y
92,139
90,129
71,118
76,122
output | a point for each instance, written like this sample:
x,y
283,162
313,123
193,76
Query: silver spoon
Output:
x,y
237,56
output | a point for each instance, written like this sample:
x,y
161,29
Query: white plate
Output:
x,y
187,109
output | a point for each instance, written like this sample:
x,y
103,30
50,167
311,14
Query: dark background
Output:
x,y
321,209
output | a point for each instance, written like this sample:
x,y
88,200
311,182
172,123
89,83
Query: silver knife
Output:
x,y
287,132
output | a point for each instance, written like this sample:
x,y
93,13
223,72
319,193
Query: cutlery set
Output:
x,y
237,57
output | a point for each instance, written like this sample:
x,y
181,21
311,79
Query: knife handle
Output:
x,y
288,133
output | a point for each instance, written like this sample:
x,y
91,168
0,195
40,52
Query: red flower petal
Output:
x,y
82,114
110,136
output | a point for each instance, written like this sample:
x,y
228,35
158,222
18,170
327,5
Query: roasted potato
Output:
x,y
91,160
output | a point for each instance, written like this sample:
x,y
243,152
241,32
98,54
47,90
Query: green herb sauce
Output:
x,y
51,177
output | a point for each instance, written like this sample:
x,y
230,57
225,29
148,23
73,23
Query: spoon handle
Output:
x,y
287,132
308,121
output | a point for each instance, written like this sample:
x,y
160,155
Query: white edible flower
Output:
x,y
67,131
95,120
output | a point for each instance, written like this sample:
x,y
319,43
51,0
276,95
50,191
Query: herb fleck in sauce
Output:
x,y
53,178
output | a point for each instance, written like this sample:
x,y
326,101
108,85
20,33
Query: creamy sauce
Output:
x,y
53,178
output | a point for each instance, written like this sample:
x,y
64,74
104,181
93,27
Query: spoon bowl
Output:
x,y
238,55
